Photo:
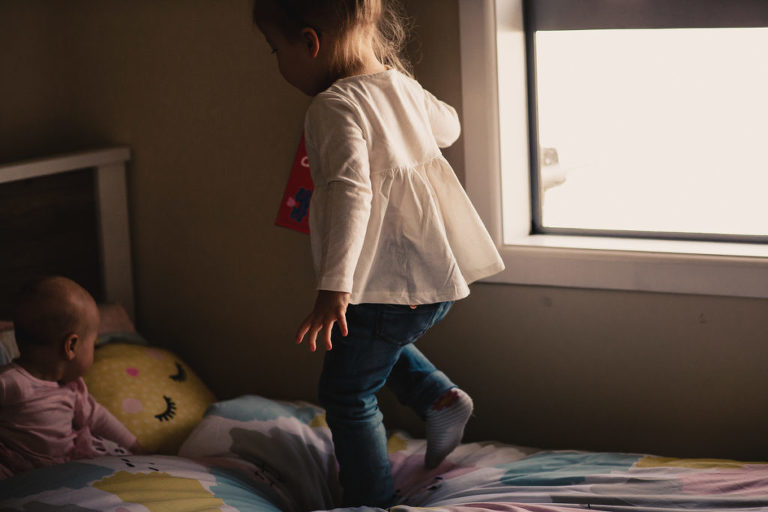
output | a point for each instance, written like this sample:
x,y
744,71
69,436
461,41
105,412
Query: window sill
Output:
x,y
709,268
714,250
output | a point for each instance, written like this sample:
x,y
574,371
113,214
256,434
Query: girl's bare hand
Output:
x,y
330,307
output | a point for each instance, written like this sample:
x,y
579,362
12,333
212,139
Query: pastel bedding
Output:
x,y
256,454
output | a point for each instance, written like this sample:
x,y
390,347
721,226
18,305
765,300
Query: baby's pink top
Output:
x,y
44,422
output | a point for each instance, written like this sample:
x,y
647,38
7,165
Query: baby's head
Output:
x,y
332,33
56,323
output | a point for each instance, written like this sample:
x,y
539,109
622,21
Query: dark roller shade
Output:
x,y
617,14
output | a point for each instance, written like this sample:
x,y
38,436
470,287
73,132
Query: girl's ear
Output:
x,y
311,41
70,346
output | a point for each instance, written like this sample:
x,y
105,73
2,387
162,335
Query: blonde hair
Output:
x,y
383,21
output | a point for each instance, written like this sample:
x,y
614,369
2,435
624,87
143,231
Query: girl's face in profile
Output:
x,y
294,60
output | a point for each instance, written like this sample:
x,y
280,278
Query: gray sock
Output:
x,y
446,419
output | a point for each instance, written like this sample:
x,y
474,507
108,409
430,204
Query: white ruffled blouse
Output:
x,y
389,221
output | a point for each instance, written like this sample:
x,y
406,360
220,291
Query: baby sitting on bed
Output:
x,y
46,414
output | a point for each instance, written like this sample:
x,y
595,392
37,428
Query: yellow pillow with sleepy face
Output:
x,y
149,389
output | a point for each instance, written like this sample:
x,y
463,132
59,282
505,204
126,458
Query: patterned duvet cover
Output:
x,y
256,454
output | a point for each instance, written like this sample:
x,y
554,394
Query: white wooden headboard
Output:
x,y
108,166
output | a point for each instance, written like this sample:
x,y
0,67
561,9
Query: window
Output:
x,y
653,131
579,70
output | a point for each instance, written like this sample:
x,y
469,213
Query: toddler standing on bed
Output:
x,y
395,239
46,414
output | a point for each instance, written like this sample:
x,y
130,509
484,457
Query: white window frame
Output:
x,y
494,109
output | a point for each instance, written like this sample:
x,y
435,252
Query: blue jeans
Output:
x,y
378,350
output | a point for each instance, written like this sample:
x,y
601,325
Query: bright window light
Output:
x,y
653,130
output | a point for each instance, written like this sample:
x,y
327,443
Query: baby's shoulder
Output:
x,y
11,389
9,373
17,386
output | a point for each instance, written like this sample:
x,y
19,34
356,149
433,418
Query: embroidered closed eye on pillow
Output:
x,y
153,392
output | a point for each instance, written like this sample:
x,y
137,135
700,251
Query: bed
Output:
x,y
252,453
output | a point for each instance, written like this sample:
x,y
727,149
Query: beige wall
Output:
x,y
192,88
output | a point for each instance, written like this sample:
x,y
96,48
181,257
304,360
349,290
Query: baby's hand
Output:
x,y
330,307
137,449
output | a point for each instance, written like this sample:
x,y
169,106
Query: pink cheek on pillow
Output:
x,y
156,354
133,372
132,406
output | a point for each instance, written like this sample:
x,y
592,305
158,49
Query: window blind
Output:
x,y
622,14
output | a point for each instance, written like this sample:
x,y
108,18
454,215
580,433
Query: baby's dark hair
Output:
x,y
41,313
385,19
